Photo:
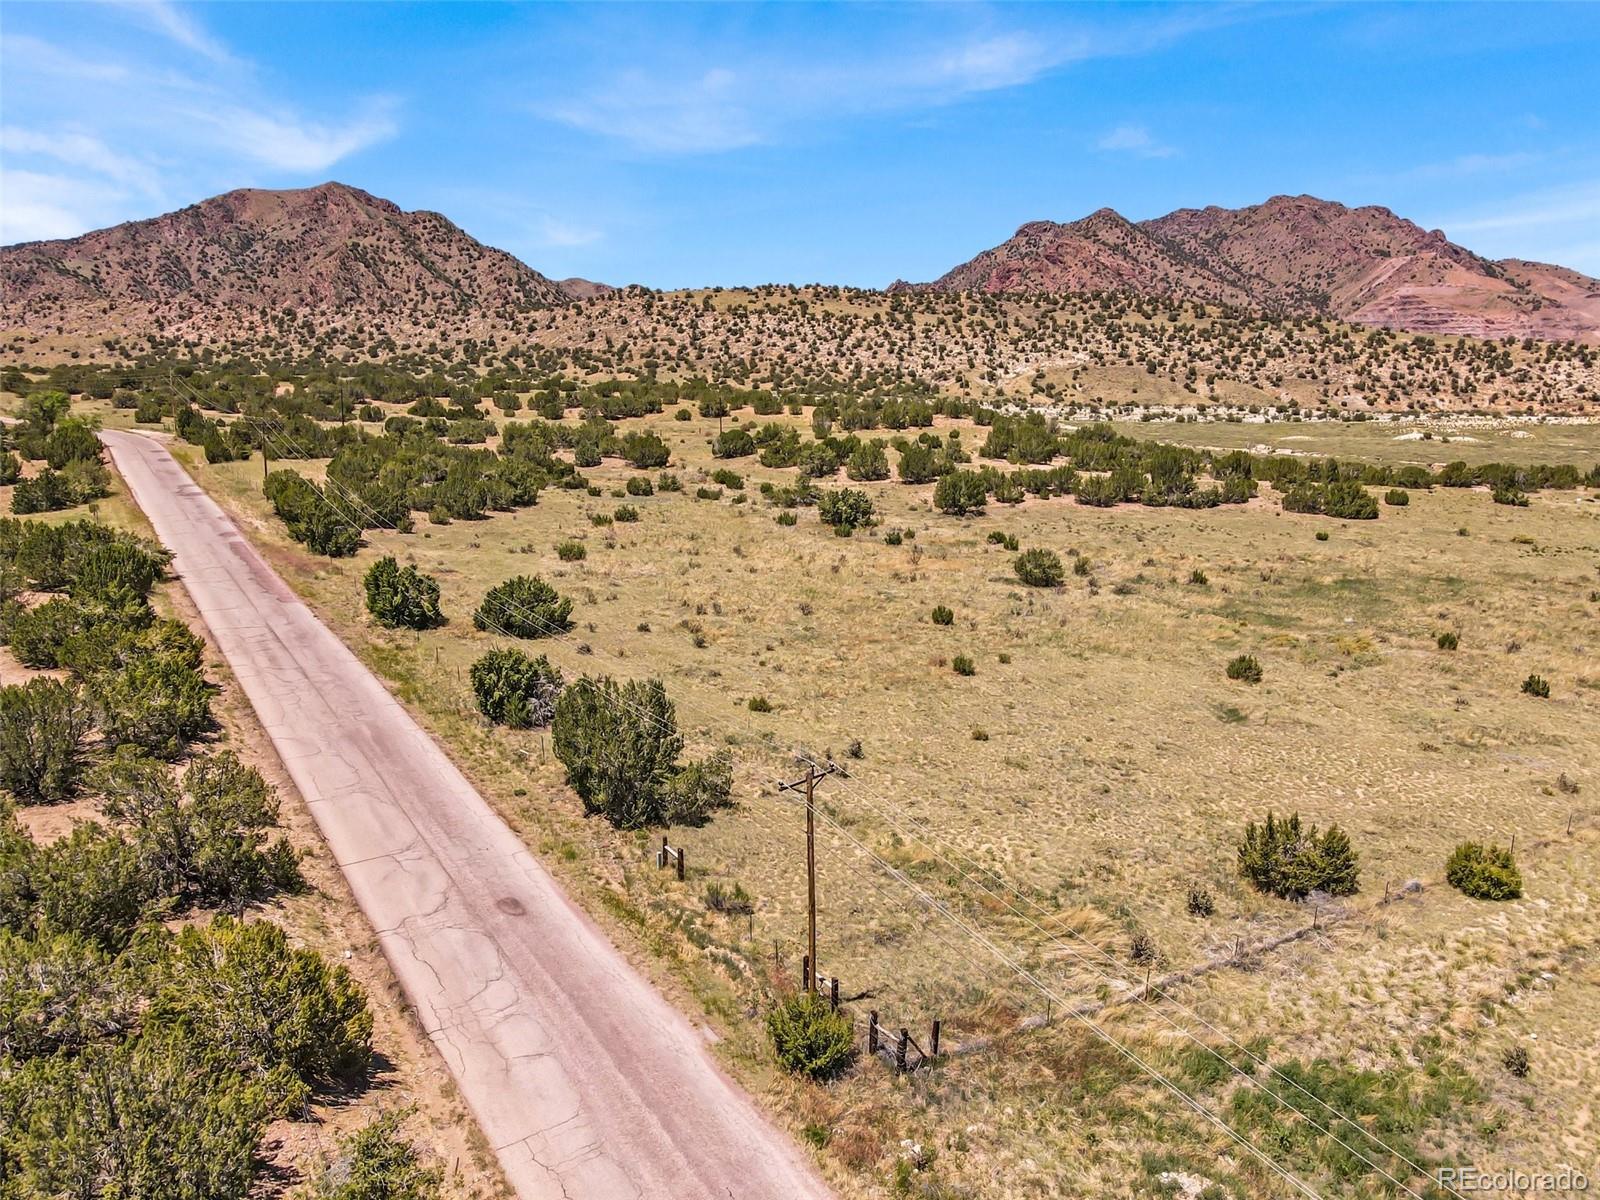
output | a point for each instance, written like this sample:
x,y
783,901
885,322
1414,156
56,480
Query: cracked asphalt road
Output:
x,y
588,1084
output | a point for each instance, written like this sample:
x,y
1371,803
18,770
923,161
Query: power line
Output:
x,y
355,499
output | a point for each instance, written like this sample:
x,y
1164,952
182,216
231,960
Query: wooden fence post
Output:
x,y
833,993
933,1039
872,1032
805,972
661,855
680,864
900,1050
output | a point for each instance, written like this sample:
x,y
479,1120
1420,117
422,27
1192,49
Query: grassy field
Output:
x,y
1427,443
1099,762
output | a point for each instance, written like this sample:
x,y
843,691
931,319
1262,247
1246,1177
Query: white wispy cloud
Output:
x,y
553,231
94,134
78,149
35,205
1135,140
715,94
705,113
1474,164
288,142
174,23
1555,224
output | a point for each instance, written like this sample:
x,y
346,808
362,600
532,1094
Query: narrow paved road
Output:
x,y
588,1084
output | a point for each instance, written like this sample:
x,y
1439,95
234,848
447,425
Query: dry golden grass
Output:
x,y
1120,768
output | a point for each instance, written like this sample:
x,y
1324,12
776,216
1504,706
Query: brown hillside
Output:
x,y
328,252
1294,255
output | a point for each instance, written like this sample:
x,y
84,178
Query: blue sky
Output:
x,y
677,145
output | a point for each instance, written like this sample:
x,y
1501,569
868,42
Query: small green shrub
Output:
x,y
524,606
943,616
570,551
1397,497
960,493
514,689
1244,668
625,514
1282,859
1483,872
759,704
962,665
377,1163
43,724
1536,685
731,901
846,508
1448,640
1322,535
787,518
1505,493
1199,902
1199,578
1515,1060
1040,568
638,485
810,1038
402,597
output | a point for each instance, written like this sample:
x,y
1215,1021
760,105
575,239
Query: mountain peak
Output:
x,y
1296,254
332,252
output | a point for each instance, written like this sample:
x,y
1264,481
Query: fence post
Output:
x,y
933,1040
661,855
1569,824
833,993
872,1032
900,1050
680,864
805,972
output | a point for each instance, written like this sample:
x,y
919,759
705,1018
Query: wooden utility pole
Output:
x,y
809,783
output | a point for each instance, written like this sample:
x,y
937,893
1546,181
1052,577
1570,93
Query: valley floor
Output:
x,y
1052,810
